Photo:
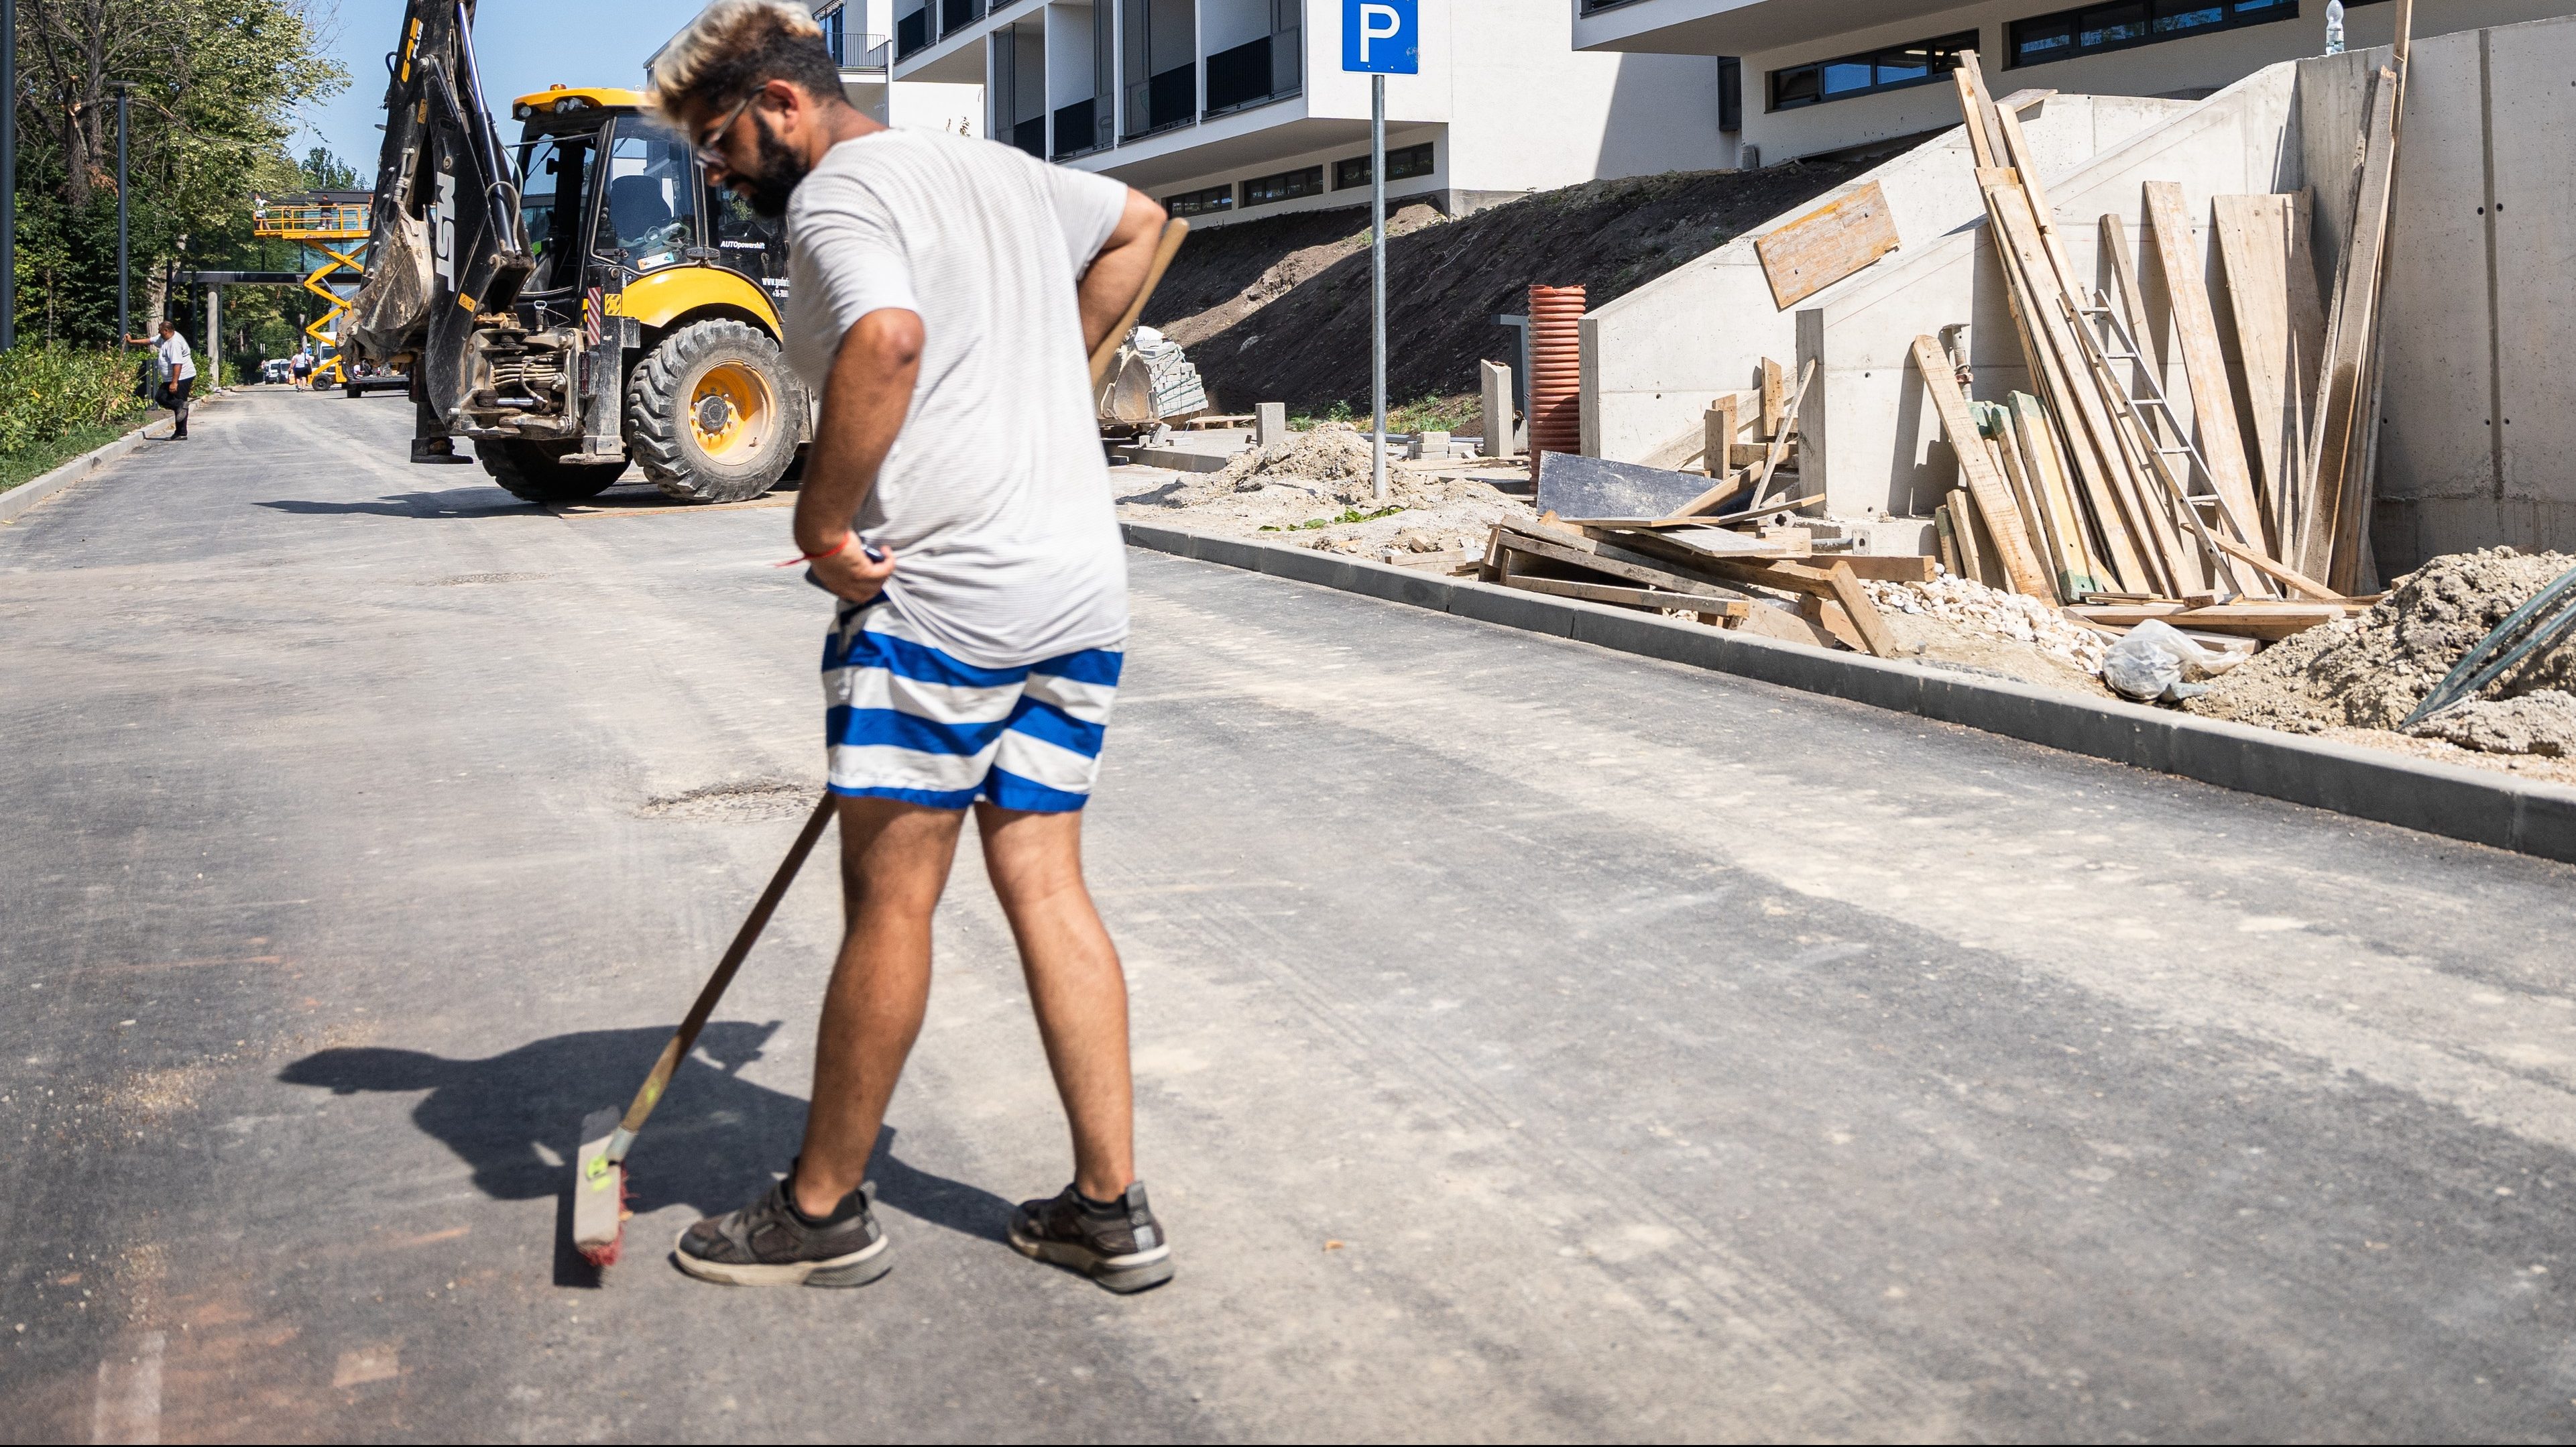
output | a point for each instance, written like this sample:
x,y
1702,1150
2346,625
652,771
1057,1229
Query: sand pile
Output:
x,y
2370,672
1973,607
1329,452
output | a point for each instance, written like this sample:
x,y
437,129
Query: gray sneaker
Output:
x,y
766,1244
1124,1249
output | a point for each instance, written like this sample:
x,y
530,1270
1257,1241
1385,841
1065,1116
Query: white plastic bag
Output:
x,y
2149,664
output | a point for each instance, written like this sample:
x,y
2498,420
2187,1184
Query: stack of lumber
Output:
x,y
1771,583
2099,491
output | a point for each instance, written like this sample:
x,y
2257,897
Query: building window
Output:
x,y
1730,93
2095,29
1200,203
1400,166
1286,186
1893,68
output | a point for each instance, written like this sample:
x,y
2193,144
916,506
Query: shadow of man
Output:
x,y
515,1118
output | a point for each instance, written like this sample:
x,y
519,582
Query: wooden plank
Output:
x,y
1880,568
2251,620
1864,613
2034,522
2204,360
1717,436
1702,541
1993,495
1775,397
1612,564
1974,565
2037,444
2254,234
2328,512
2297,582
1948,531
1839,239
1782,625
1709,609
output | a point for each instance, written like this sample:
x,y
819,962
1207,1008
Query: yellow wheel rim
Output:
x,y
730,410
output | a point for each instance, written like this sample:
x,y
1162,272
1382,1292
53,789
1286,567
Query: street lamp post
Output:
x,y
124,270
8,174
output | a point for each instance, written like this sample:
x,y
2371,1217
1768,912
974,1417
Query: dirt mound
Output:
x,y
2370,672
1330,452
1277,310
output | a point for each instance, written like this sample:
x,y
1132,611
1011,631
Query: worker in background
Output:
x,y
945,295
174,368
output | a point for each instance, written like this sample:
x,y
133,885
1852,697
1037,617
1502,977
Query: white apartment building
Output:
x,y
1820,75
1237,109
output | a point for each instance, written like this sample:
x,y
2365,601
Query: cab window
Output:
x,y
648,218
554,168
751,245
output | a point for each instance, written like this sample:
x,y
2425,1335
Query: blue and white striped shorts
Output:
x,y
906,721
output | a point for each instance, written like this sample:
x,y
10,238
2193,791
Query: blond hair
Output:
x,y
736,46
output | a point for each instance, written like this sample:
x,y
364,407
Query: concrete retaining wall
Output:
x,y
1871,433
1653,358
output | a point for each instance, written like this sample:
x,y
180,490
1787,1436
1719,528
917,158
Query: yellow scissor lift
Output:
x,y
337,227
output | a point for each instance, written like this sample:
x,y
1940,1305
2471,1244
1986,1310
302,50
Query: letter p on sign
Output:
x,y
1382,36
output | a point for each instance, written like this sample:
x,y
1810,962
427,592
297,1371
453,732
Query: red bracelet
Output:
x,y
834,551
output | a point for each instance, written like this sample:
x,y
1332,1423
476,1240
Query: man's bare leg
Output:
x,y
894,864
1075,983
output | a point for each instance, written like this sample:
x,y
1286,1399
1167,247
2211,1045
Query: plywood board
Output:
x,y
2254,239
2204,358
1845,236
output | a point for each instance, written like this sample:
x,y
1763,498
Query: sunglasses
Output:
x,y
706,149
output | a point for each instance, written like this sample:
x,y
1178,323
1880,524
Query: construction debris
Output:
x,y
2013,617
2373,671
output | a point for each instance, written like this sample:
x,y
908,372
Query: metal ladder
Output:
x,y
2120,348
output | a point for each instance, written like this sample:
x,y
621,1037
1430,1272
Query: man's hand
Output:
x,y
851,573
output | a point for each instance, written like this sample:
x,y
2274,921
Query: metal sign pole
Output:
x,y
8,174
1377,280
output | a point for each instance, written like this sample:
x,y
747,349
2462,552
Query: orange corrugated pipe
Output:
x,y
1556,371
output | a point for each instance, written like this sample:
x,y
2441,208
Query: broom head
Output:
x,y
598,1192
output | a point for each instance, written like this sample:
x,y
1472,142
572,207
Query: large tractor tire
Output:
x,y
714,414
537,472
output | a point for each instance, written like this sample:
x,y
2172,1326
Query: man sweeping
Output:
x,y
945,294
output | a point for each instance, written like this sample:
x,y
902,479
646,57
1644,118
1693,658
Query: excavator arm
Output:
x,y
448,245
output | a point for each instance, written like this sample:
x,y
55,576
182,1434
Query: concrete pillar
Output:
x,y
1270,424
1497,379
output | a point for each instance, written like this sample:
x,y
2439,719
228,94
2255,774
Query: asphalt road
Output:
x,y
1533,1042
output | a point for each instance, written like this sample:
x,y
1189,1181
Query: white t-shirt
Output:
x,y
995,498
176,362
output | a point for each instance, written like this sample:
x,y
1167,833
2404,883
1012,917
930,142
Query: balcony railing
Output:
x,y
861,52
1166,102
1255,73
912,34
1078,131
956,15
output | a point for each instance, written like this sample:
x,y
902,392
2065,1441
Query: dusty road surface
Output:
x,y
1533,1042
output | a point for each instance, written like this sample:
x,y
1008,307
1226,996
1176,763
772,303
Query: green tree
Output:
x,y
214,85
324,171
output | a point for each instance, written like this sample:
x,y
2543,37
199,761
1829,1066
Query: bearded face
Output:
x,y
781,171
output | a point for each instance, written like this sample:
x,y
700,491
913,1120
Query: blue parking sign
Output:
x,y
1382,36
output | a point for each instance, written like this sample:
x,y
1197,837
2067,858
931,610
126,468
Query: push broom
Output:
x,y
599,1169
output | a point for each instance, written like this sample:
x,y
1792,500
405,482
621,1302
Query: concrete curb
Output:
x,y
36,489
2452,801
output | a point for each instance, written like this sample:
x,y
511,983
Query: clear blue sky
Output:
x,y
524,46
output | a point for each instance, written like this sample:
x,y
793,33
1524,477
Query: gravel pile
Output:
x,y
1330,452
1973,607
2370,672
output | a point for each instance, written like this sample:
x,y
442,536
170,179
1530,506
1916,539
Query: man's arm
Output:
x,y
864,404
1118,273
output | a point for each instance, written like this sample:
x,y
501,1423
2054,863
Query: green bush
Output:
x,y
48,392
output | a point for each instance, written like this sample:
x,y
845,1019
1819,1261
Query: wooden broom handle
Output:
x,y
1174,231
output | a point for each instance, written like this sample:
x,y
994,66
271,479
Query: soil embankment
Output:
x,y
1277,310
